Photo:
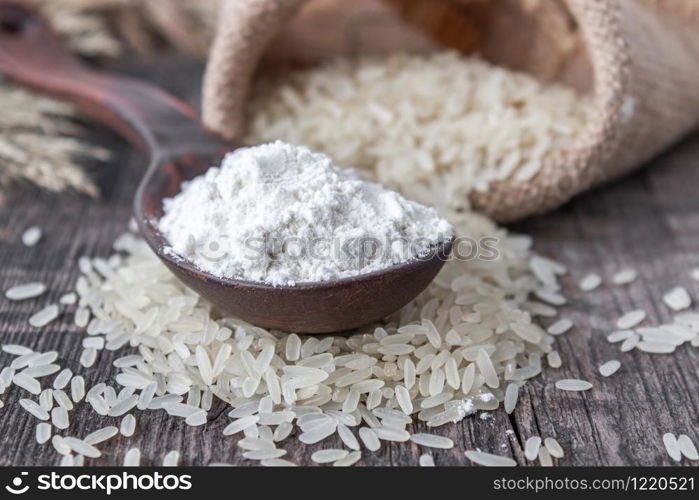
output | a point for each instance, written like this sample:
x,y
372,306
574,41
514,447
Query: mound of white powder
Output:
x,y
283,214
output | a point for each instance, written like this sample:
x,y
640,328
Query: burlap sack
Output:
x,y
639,58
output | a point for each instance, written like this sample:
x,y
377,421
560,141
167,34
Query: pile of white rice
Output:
x,y
434,127
421,124
468,343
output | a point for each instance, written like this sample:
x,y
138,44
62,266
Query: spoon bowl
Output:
x,y
180,148
313,307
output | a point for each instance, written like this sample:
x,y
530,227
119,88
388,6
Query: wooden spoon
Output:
x,y
180,148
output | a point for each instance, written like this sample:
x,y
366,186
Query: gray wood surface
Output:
x,y
649,220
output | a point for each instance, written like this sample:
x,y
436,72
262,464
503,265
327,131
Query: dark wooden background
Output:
x,y
649,220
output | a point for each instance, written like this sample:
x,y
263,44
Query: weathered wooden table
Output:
x,y
649,221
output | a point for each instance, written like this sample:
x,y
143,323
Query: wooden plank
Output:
x,y
649,221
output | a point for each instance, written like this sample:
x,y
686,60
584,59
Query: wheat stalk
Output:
x,y
39,141
106,27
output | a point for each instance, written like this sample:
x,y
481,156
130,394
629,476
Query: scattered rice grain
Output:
x,y
531,448
553,447
489,460
128,425
573,385
631,319
590,282
31,236
25,291
672,446
44,316
609,368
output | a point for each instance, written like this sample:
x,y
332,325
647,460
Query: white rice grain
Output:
x,y
282,431
677,299
553,447
619,335
392,434
240,425
59,418
34,409
68,299
77,389
27,383
293,347
101,435
531,448
590,282
686,446
62,379
511,395
251,443
124,406
554,359
561,326
44,316
82,316
82,448
488,460
16,350
369,438
43,432
348,439
328,455
404,400
171,459
573,385
25,360
99,404
656,347
264,454
485,366
545,457
204,365
624,276
146,396
672,446
277,462
31,236
352,458
630,343
96,343
26,291
62,399
38,371
630,319
609,368
60,445
46,399
432,441
128,425
132,458
88,357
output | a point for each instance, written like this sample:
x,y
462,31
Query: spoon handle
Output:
x,y
31,54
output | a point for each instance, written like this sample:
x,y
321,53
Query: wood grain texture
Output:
x,y
649,221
